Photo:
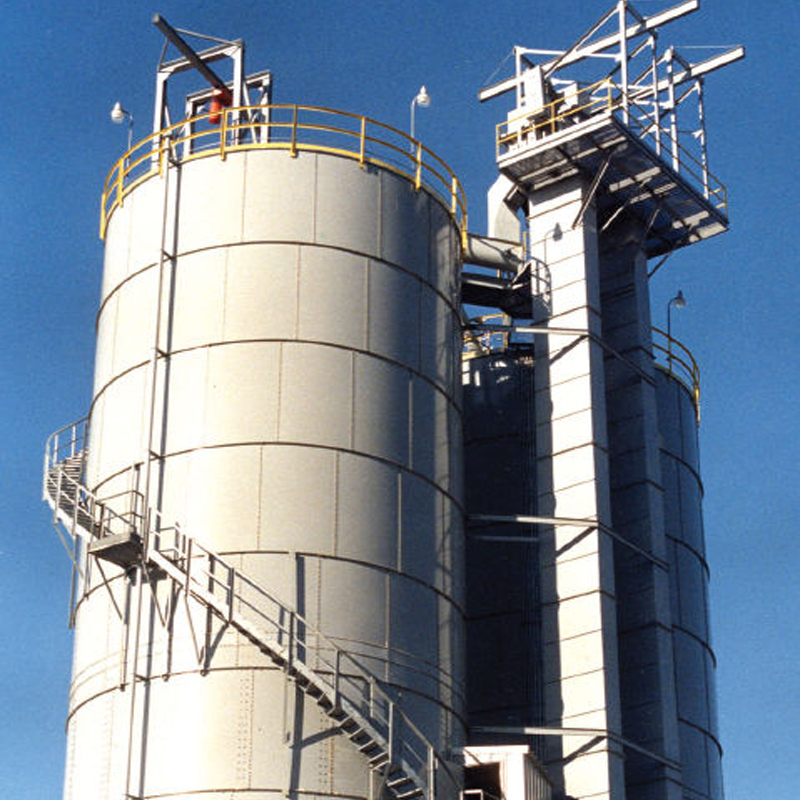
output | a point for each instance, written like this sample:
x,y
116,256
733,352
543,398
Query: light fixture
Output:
x,y
422,99
679,301
118,114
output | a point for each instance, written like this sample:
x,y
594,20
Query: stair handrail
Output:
x,y
222,586
292,632
66,442
71,500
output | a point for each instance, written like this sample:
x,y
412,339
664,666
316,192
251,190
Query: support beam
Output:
x,y
189,53
574,55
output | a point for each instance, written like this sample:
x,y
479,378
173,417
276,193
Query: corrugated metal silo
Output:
x,y
695,663
299,308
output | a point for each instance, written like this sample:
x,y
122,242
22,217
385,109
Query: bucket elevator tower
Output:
x,y
265,498
587,577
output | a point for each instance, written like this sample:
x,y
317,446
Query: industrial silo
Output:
x,y
695,663
272,592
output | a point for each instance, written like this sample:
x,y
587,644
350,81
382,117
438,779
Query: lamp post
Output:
x,y
680,302
118,114
422,99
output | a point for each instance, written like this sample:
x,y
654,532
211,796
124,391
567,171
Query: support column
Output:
x,y
649,713
579,614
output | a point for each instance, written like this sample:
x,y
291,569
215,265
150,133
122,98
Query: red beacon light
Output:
x,y
220,98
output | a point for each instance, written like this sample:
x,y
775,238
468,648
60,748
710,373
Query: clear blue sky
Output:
x,y
65,62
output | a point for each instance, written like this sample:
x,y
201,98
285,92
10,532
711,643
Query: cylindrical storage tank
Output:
x,y
504,677
695,663
305,427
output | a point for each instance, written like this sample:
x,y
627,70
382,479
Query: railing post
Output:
x,y
431,773
101,520
119,185
363,142
231,588
390,733
371,697
290,648
223,133
336,674
418,168
293,146
188,571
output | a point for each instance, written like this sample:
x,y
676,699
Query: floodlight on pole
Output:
x,y
118,114
679,301
422,99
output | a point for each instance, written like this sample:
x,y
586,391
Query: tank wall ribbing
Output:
x,y
694,659
308,423
503,621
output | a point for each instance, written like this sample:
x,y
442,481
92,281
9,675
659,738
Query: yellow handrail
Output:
x,y
307,129
676,359
670,354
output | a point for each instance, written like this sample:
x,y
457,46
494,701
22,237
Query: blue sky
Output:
x,y
65,63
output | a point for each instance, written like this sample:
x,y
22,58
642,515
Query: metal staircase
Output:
x,y
359,704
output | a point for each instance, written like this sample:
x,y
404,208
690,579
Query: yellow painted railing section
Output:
x,y
292,128
678,360
669,354
607,97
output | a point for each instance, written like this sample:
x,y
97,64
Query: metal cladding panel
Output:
x,y
316,395
306,422
332,280
355,523
271,213
261,284
212,195
694,660
197,320
394,299
351,225
380,410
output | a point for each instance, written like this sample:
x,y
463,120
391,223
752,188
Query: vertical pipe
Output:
x,y
154,359
137,577
702,118
622,8
656,104
673,115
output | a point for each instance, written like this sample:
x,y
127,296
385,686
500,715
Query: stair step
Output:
x,y
380,760
74,501
415,792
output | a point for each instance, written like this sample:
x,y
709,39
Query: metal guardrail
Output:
x,y
295,129
70,442
607,97
353,691
670,354
676,359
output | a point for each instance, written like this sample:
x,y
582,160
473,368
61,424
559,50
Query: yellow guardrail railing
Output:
x,y
607,97
674,357
670,355
548,118
295,129
480,344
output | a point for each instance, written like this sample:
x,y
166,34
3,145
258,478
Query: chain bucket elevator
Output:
x,y
605,157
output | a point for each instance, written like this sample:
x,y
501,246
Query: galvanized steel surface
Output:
x,y
307,427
